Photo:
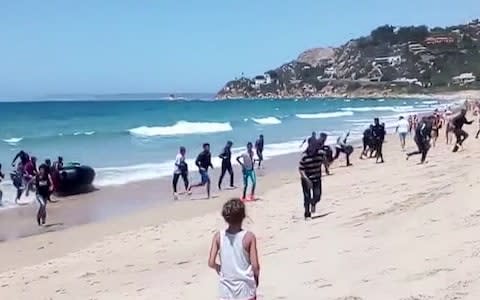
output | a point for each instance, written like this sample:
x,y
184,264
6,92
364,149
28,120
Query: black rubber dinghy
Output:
x,y
74,179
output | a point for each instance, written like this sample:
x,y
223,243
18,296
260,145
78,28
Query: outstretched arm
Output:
x,y
212,258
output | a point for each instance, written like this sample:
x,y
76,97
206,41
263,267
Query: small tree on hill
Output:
x,y
384,34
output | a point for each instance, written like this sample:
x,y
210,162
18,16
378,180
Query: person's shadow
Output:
x,y
322,215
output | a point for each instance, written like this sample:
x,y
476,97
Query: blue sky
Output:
x,y
115,46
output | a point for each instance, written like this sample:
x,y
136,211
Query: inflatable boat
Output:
x,y
72,179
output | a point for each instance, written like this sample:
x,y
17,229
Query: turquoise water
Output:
x,y
136,140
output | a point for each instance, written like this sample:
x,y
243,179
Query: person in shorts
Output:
x,y
203,162
248,169
403,127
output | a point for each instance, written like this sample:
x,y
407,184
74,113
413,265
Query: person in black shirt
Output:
x,y
423,134
378,133
2,176
460,134
49,169
310,168
23,156
325,150
203,162
309,140
259,144
226,157
44,187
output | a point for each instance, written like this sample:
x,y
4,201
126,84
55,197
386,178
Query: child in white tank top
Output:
x,y
237,250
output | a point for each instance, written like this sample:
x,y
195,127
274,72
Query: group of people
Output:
x,y
203,162
373,138
27,177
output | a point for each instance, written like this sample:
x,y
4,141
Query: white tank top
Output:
x,y
237,281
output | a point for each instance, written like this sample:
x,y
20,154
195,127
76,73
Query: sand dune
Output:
x,y
392,231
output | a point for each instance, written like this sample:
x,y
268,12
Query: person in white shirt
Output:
x,y
180,169
402,130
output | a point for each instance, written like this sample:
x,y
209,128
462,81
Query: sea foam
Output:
x,y
180,128
267,121
378,108
326,115
13,141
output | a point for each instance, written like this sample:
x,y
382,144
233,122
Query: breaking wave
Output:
x,y
180,128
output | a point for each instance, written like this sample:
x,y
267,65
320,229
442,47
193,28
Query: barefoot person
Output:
x,y
43,189
460,134
343,147
2,176
226,157
248,169
259,145
379,132
326,150
423,134
180,170
238,265
310,169
402,130
203,162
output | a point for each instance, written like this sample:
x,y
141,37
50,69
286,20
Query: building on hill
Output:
x,y
441,40
464,78
388,61
260,80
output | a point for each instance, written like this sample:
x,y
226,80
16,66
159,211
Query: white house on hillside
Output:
x,y
388,60
261,80
464,78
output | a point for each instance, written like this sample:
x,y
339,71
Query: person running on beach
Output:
x,y
379,132
460,134
17,181
180,170
23,157
312,138
203,162
423,134
368,143
325,150
310,169
2,176
259,145
436,126
402,130
248,169
30,171
44,187
343,147
448,127
236,248
226,157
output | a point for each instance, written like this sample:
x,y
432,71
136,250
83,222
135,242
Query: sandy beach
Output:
x,y
391,231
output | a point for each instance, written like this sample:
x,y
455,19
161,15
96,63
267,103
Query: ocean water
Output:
x,y
128,141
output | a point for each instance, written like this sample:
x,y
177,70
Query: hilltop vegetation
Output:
x,y
389,60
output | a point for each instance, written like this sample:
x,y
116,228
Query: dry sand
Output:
x,y
391,231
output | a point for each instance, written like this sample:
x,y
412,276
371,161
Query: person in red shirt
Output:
x,y
30,172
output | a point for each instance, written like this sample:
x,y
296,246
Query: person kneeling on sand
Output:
x,y
248,169
239,269
310,168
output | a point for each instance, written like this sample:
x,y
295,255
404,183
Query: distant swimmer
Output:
x,y
2,176
203,162
226,157
180,170
460,134
402,129
309,140
368,143
43,189
343,147
423,134
259,145
248,169
379,133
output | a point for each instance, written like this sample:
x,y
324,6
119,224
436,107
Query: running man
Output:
x,y
23,157
367,143
436,126
379,132
402,129
460,134
325,150
44,187
30,171
2,176
238,266
310,169
423,134
203,162
259,145
309,140
226,157
248,169
180,170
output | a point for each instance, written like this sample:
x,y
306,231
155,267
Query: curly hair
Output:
x,y
233,211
